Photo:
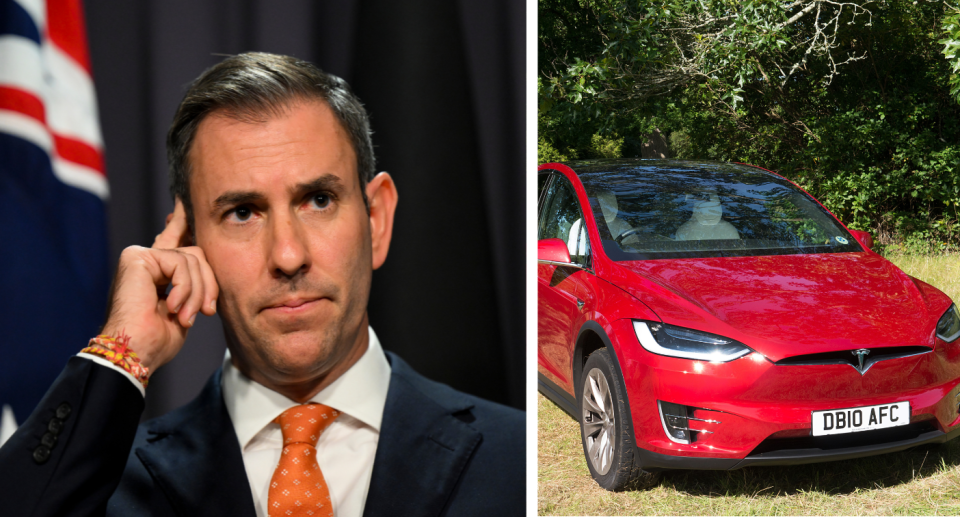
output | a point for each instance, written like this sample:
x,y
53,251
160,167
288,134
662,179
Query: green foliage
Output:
x,y
877,139
681,145
606,147
951,47
547,151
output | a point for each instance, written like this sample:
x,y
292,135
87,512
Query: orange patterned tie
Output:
x,y
297,487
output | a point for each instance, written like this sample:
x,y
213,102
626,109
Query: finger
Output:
x,y
173,266
211,290
190,308
176,231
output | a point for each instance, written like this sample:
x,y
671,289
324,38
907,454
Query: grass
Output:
x,y
941,271
921,481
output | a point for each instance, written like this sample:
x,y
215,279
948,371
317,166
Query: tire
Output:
x,y
606,428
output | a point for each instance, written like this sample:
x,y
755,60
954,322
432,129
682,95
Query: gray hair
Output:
x,y
251,87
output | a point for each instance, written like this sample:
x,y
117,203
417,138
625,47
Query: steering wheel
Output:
x,y
628,233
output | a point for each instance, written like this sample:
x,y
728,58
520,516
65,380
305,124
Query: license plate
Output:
x,y
866,418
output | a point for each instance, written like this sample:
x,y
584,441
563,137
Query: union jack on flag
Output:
x,y
54,268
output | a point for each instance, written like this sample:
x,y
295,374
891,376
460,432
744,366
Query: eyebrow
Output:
x,y
329,182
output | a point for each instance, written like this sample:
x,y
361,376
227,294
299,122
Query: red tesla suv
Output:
x,y
696,315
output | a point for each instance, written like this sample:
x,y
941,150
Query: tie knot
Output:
x,y
303,424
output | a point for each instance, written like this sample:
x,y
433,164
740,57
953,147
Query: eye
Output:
x,y
242,213
320,200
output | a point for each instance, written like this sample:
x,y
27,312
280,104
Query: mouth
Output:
x,y
293,305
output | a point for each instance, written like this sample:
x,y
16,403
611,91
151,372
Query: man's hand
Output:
x,y
156,322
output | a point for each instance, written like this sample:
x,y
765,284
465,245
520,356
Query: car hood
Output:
x,y
788,305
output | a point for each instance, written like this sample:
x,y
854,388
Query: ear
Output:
x,y
382,195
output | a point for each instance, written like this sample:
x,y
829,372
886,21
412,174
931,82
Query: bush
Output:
x,y
878,143
606,147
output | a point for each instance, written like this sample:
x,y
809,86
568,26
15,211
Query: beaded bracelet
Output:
x,y
117,351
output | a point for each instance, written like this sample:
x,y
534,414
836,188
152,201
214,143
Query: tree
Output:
x,y
650,48
853,100
951,47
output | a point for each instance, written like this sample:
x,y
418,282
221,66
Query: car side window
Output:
x,y
543,179
562,219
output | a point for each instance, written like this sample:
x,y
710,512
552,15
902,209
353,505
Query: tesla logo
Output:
x,y
863,352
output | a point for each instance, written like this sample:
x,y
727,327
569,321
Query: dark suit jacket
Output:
x,y
440,452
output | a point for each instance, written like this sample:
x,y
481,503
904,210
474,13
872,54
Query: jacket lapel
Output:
x,y
194,457
424,445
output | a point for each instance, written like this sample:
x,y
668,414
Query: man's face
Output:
x,y
279,214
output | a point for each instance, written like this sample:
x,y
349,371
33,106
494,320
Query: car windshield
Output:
x,y
675,210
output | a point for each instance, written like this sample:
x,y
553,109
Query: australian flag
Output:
x,y
54,271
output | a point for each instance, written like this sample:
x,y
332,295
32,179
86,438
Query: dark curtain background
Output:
x,y
443,82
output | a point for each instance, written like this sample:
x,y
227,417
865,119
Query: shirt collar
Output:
x,y
360,392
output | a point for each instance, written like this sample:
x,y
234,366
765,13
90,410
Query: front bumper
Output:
x,y
815,453
763,410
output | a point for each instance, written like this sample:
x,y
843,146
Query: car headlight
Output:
x,y
674,341
948,328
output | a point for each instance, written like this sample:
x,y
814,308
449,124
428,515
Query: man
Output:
x,y
272,172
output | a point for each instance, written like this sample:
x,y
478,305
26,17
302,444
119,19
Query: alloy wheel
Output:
x,y
599,421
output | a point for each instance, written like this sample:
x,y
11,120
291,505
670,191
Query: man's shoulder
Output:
x,y
204,409
187,458
455,401
446,450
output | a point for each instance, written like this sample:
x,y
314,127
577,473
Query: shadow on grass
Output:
x,y
832,478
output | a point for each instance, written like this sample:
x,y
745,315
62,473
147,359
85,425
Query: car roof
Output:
x,y
627,170
641,165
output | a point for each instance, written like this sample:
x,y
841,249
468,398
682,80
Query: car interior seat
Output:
x,y
707,222
577,240
611,210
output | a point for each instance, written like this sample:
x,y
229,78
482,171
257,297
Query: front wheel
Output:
x,y
606,429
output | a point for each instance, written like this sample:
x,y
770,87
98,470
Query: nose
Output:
x,y
289,253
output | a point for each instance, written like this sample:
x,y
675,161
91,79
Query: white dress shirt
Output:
x,y
345,450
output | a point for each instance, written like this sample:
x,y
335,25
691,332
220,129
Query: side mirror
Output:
x,y
864,237
554,252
